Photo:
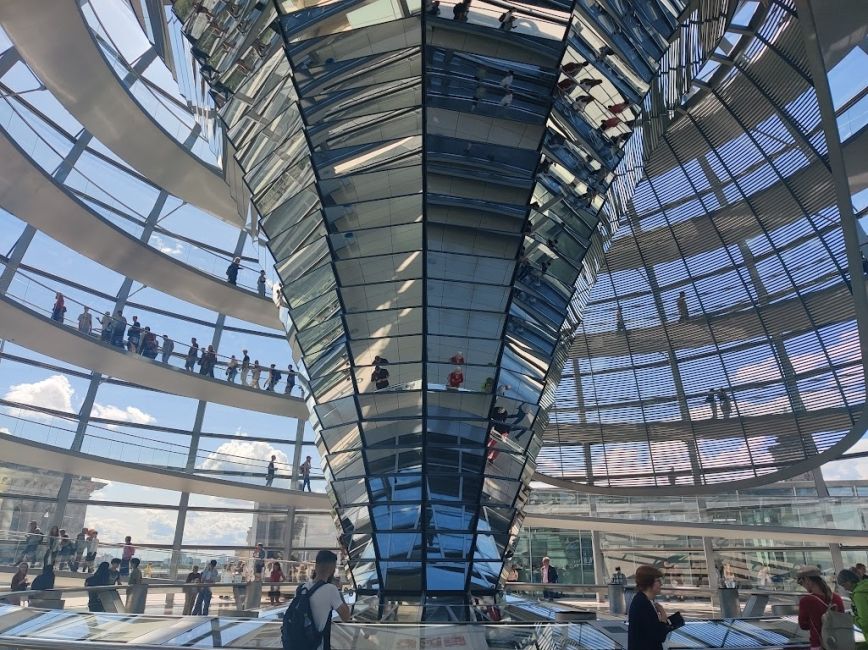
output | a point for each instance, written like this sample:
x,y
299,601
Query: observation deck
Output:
x,y
30,329
29,193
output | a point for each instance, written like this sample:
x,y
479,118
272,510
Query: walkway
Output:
x,y
785,317
568,521
57,459
780,425
54,39
735,222
32,330
31,195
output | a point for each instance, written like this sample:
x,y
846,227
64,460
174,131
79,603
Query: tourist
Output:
x,y
100,578
712,402
859,570
507,20
106,324
763,577
274,376
276,577
457,359
44,580
193,578
92,548
725,406
209,576
245,367
80,548
260,284
648,626
85,322
59,308
135,572
455,379
460,11
127,554
32,540
53,546
305,474
192,354
134,579
819,599
255,375
119,329
231,369
19,582
258,560
618,578
506,82
290,380
858,588
380,377
683,314
232,271
149,344
134,335
269,475
66,550
548,576
115,571
325,596
167,348
210,363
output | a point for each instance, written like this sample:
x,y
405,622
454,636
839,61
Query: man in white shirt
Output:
x,y
327,598
210,576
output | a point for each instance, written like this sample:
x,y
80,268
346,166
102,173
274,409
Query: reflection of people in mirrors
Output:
x,y
522,420
455,379
457,359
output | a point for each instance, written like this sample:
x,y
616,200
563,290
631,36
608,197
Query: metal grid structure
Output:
x,y
738,211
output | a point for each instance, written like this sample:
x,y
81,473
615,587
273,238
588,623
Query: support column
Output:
x,y
15,257
177,543
791,384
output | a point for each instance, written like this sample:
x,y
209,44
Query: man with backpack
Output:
x,y
307,620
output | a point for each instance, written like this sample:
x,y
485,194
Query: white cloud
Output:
x,y
174,249
128,414
55,392
254,456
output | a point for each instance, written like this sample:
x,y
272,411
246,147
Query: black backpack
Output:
x,y
298,631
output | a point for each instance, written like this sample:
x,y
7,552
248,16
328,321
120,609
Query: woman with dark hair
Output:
x,y
819,599
44,580
100,578
19,582
53,542
648,625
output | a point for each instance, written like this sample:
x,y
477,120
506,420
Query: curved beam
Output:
x,y
563,521
34,197
832,453
32,330
55,40
659,244
786,316
56,459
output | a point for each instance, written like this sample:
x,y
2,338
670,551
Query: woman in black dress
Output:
x,y
100,578
648,625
